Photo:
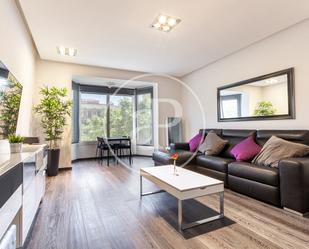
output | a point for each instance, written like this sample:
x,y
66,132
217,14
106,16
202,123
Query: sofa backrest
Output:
x,y
234,137
206,131
296,136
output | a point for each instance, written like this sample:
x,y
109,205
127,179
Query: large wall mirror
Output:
x,y
10,97
269,96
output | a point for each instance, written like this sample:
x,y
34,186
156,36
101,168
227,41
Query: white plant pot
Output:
x,y
16,147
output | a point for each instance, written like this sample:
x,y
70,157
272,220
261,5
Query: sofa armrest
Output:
x,y
294,183
179,146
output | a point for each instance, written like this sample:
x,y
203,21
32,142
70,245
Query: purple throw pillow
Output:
x,y
246,149
195,142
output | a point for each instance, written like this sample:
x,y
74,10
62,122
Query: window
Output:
x,y
121,116
74,115
103,111
231,104
144,119
93,110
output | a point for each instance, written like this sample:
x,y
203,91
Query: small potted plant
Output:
x,y
54,108
264,108
16,143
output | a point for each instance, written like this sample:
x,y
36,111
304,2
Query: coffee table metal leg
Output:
x,y
141,186
200,222
147,193
179,214
222,204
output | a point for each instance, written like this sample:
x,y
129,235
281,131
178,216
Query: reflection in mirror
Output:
x,y
259,98
10,97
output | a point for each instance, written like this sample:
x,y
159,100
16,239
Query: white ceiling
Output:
x,y
117,33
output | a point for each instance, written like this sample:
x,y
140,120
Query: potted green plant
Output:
x,y
264,108
16,143
54,108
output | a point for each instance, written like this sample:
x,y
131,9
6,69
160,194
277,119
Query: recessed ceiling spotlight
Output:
x,y
66,51
162,19
166,28
156,25
172,21
165,22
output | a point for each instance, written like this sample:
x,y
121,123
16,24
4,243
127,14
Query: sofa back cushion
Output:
x,y
276,149
195,142
234,137
206,131
213,144
246,150
295,136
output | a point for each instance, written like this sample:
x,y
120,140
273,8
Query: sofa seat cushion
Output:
x,y
164,157
213,162
262,174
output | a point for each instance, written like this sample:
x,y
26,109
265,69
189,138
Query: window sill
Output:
x,y
85,143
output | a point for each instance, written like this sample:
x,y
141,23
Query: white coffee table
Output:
x,y
187,185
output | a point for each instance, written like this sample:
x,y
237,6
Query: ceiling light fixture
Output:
x,y
66,51
166,28
157,25
165,22
172,21
162,19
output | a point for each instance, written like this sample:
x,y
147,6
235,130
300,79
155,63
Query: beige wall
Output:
x,y
286,49
18,54
60,74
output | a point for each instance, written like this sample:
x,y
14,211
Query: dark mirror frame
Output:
x,y
291,97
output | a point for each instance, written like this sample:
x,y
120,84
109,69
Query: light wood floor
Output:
x,y
98,207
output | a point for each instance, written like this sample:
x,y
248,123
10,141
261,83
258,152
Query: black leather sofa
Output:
x,y
286,186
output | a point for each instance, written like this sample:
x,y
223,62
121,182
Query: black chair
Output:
x,y
125,146
102,146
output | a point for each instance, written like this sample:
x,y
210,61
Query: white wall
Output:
x,y
18,54
289,48
60,74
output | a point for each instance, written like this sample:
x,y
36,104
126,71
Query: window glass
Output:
x,y
121,115
144,119
230,106
99,113
92,113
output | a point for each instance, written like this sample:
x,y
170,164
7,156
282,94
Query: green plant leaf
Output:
x,y
264,108
53,110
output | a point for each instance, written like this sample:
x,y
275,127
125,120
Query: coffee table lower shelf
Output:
x,y
183,226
